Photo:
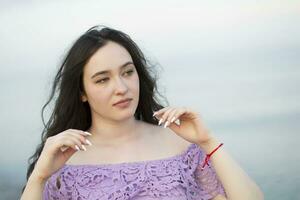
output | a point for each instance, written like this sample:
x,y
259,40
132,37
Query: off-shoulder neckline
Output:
x,y
131,163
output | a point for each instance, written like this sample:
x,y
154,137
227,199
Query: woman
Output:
x,y
103,140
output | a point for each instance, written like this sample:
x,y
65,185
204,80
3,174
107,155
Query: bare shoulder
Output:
x,y
175,139
168,138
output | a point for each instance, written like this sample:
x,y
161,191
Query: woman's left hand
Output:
x,y
190,125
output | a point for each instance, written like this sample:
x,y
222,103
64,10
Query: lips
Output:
x,y
121,101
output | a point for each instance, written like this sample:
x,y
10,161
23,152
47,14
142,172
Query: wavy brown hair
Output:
x,y
69,111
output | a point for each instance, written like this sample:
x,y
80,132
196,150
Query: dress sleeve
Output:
x,y
207,178
50,189
46,192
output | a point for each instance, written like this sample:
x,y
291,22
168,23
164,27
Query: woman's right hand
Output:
x,y
57,150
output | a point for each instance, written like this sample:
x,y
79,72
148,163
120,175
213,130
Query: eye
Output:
x,y
102,80
129,72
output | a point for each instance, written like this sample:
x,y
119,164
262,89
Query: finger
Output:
x,y
69,152
76,141
185,113
168,117
83,141
84,133
159,112
172,116
64,148
82,138
68,143
165,116
177,114
160,115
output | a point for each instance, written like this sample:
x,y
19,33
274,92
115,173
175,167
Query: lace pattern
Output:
x,y
171,178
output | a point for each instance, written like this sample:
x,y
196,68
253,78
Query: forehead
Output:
x,y
109,57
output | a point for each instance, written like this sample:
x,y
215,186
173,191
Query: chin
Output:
x,y
125,115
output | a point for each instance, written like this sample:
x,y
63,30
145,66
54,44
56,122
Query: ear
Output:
x,y
83,97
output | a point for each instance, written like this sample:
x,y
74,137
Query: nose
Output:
x,y
120,86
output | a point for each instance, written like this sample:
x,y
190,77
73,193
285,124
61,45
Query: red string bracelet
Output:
x,y
209,155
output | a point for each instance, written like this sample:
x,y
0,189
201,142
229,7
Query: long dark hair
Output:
x,y
69,111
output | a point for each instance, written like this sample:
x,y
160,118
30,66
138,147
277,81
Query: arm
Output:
x,y
235,181
34,188
57,150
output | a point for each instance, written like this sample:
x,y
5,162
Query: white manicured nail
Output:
x,y
166,124
77,148
83,147
160,121
63,148
87,141
172,120
87,133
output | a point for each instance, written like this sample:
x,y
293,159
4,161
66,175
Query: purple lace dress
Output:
x,y
178,177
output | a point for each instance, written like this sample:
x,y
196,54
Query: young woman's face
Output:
x,y
108,77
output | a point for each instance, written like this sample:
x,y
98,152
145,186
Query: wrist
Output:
x,y
37,178
209,145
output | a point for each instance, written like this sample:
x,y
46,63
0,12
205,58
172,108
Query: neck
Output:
x,y
111,132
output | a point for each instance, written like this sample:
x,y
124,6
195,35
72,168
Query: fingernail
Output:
x,y
77,148
87,133
63,148
87,141
166,124
83,147
172,120
160,121
154,114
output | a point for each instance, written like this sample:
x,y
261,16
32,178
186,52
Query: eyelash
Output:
x,y
104,79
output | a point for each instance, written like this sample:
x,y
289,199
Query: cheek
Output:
x,y
136,85
98,95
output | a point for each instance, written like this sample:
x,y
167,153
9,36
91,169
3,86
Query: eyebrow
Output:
x,y
106,71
